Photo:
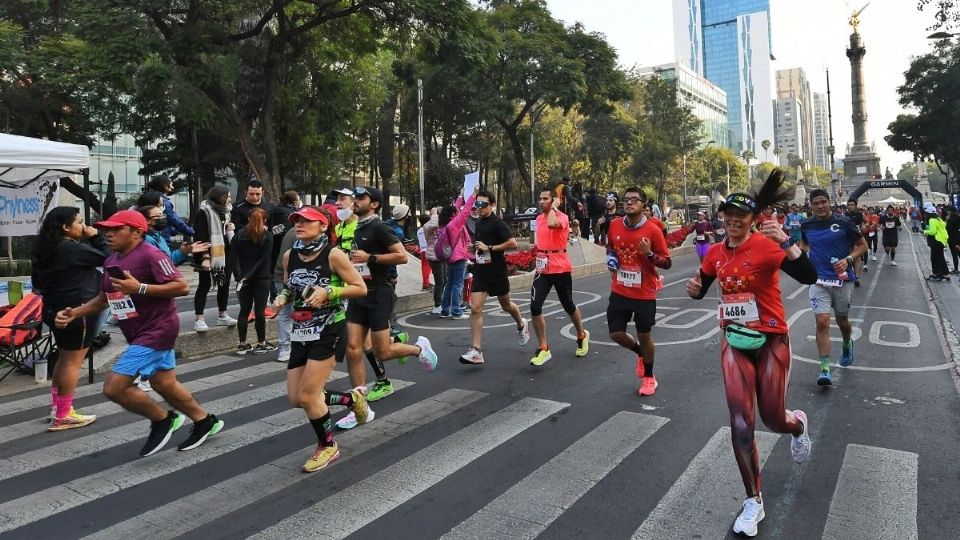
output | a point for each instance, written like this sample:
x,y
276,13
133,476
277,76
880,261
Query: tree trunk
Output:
x,y
88,198
517,145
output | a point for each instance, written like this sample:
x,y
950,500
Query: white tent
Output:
x,y
892,200
23,159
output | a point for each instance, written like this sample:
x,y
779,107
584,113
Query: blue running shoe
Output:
x,y
825,379
847,358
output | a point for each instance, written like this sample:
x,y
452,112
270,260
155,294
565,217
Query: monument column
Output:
x,y
861,162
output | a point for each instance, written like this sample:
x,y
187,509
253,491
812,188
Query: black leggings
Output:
x,y
253,294
541,288
203,287
955,254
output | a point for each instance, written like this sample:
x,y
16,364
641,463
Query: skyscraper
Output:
x,y
790,129
792,83
707,101
821,132
729,43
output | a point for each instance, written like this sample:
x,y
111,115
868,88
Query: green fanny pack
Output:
x,y
743,338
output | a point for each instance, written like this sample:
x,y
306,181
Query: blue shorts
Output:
x,y
144,361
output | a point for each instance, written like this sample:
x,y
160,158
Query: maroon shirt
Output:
x,y
703,229
156,325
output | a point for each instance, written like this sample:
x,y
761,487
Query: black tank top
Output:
x,y
309,322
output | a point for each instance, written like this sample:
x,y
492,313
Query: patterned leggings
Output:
x,y
762,373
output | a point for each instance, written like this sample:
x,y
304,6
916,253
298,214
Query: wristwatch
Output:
x,y
372,259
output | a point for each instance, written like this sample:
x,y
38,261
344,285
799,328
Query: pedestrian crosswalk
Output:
x,y
90,483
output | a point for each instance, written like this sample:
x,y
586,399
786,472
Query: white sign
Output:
x,y
861,170
470,181
22,209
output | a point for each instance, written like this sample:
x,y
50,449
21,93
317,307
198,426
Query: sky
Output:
x,y
810,34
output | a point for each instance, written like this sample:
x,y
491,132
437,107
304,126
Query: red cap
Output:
x,y
309,213
130,218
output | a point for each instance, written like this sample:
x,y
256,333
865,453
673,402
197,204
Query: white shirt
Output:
x,y
422,239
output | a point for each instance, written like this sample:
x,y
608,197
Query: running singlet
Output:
x,y
637,277
308,322
889,225
750,273
552,245
829,238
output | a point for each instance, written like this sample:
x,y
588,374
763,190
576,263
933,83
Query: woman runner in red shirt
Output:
x,y
755,348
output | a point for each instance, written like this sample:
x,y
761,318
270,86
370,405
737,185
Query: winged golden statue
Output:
x,y
855,18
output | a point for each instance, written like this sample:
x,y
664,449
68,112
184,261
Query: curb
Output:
x,y
949,339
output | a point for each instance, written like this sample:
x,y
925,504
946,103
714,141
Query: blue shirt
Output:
x,y
829,238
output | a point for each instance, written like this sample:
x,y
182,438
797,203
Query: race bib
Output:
x,y
122,306
721,232
739,308
872,233
483,257
830,282
363,269
889,224
278,230
629,278
701,237
310,333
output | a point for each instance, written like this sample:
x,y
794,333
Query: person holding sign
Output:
x,y
833,243
754,339
635,249
140,285
553,270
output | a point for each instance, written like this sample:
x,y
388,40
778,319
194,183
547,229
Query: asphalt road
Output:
x,y
567,450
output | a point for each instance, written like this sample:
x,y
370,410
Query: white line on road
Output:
x,y
340,515
561,482
567,332
405,320
875,497
797,292
193,511
704,501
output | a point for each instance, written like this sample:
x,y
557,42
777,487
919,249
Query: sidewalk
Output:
x,y
944,298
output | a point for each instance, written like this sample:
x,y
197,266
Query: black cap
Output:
x,y
819,192
742,201
368,191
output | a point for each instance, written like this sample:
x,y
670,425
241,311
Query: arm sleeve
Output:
x,y
661,255
462,215
800,269
707,281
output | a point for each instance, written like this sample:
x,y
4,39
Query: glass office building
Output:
x,y
707,101
729,43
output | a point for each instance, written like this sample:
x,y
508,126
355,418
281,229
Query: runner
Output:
x,y
833,244
318,277
856,216
140,283
794,218
890,224
703,235
611,212
869,229
553,271
754,342
636,249
493,238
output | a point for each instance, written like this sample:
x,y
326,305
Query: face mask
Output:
x,y
160,224
344,214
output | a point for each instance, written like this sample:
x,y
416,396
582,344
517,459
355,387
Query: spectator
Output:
x,y
439,269
580,212
400,222
611,211
212,225
937,239
422,242
453,219
175,224
157,222
253,198
280,223
953,236
250,262
150,198
595,208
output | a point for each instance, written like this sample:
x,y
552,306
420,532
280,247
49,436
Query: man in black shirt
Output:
x,y
240,215
856,216
375,250
492,239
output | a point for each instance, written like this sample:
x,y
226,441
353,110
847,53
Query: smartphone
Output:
x,y
308,291
115,272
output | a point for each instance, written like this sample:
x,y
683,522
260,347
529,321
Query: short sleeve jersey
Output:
x,y
156,325
553,244
752,267
492,231
375,238
871,223
829,238
623,241
856,217
700,232
889,225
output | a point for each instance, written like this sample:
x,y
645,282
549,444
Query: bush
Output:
x,y
521,261
677,237
17,267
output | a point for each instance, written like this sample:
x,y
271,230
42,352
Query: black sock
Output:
x,y
647,368
636,348
376,364
338,398
323,427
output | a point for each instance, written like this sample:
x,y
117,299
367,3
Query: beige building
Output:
x,y
793,84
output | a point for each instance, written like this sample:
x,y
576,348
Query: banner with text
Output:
x,y
22,209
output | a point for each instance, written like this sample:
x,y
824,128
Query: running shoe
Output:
x,y
856,283
427,357
270,313
53,414
401,337
436,311
751,514
444,315
202,430
874,257
825,378
800,446
472,357
284,354
541,357
583,345
244,348
160,433
360,407
893,263
226,320
648,386
380,390
264,348
846,358
323,456
200,325
72,420
463,315
866,269
639,367
350,421
144,385
525,332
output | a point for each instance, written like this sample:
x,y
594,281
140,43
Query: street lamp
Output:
x,y
941,35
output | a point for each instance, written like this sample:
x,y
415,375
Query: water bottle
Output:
x,y
842,275
40,370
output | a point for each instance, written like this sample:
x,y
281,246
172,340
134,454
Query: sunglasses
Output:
x,y
481,204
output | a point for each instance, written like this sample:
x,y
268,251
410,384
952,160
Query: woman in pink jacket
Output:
x,y
453,219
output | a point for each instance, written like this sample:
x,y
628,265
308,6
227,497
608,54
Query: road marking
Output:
x,y
95,442
567,332
707,314
405,320
913,333
193,511
561,482
797,292
704,501
43,400
876,495
407,478
108,408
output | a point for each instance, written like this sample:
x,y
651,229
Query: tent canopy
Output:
x,y
893,200
23,159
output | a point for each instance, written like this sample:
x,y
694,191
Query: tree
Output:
x,y
776,154
946,13
765,144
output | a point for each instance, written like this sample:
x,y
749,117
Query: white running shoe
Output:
x,y
226,320
800,446
350,421
874,257
427,357
200,325
893,263
436,311
283,355
525,333
751,514
866,268
144,384
472,356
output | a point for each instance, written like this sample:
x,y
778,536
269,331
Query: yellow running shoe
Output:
x,y
583,345
72,420
360,408
541,357
323,456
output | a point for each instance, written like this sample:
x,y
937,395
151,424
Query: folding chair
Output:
x,y
22,340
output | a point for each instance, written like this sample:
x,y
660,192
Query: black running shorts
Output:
x,y
621,310
373,310
322,348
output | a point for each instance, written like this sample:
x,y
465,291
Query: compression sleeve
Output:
x,y
800,269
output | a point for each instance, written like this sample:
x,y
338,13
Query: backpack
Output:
x,y
443,248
